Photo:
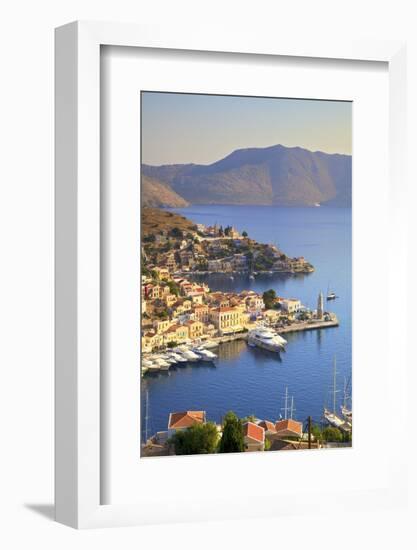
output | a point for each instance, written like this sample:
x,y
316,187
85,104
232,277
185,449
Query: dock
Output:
x,y
305,325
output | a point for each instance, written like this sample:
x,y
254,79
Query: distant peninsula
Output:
x,y
175,244
277,175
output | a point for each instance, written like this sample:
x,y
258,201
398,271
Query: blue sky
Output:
x,y
182,128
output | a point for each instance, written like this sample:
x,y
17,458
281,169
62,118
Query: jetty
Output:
x,y
309,325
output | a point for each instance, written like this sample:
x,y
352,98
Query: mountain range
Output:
x,y
277,175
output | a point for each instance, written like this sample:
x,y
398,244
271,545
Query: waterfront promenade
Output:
x,y
308,325
294,327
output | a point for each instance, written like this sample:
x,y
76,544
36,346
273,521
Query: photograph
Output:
x,y
246,274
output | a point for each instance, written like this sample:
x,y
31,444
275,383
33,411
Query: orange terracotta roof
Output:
x,y
252,430
186,419
267,425
289,424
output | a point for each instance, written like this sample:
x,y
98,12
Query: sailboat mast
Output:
x,y
292,407
146,415
345,394
286,403
285,408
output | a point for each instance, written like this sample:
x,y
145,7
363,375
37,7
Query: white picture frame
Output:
x,y
77,242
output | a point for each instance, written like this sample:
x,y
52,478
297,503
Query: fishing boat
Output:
x,y
263,337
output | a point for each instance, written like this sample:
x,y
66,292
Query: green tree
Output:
x,y
172,345
244,234
232,437
332,434
173,288
176,233
316,432
249,418
196,440
269,297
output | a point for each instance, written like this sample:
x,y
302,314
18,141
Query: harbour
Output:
x,y
250,380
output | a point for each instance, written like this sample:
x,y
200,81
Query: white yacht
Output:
x,y
263,337
187,353
178,358
169,359
153,367
163,365
210,344
205,354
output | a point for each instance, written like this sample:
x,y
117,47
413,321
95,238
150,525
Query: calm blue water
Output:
x,y
253,381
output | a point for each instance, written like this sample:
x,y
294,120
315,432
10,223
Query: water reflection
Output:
x,y
231,350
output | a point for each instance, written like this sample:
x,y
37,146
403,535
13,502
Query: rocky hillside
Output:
x,y
156,193
273,175
155,220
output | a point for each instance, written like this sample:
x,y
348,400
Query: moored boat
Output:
x,y
266,338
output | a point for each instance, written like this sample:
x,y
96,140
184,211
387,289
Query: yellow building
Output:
x,y
201,313
161,325
151,341
195,329
176,333
170,299
227,319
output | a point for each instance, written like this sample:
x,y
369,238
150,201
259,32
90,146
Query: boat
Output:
x,y
251,277
169,358
163,365
330,416
210,344
187,353
263,337
289,410
330,294
205,354
153,367
179,358
345,410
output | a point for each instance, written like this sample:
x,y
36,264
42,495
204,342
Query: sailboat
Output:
x,y
346,411
146,417
288,409
330,294
331,416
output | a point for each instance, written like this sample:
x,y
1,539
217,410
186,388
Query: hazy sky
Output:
x,y
182,128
